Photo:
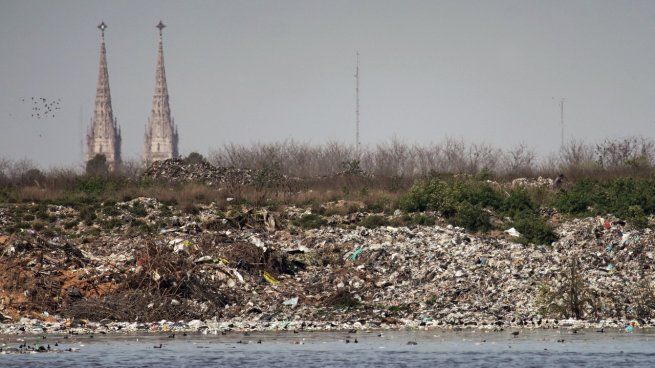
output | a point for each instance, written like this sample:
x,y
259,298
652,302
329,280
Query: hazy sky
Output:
x,y
260,71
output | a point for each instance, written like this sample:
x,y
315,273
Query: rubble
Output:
x,y
157,269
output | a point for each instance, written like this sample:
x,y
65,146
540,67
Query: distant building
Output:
x,y
161,136
104,134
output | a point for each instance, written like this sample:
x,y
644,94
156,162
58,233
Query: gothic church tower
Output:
x,y
104,135
161,133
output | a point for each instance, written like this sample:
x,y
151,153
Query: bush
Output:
x,y
138,209
32,177
194,158
310,221
471,217
534,229
190,209
373,221
578,199
91,185
111,224
462,202
88,215
419,219
612,196
636,217
97,166
518,201
446,195
111,210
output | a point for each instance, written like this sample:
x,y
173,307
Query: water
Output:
x,y
329,349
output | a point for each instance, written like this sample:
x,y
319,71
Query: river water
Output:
x,y
329,349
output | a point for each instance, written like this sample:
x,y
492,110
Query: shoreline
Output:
x,y
36,327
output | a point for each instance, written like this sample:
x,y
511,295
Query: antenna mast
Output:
x,y
82,132
357,142
561,105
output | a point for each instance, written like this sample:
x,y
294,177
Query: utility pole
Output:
x,y
561,117
357,142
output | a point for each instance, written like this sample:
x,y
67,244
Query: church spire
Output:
x,y
161,134
104,135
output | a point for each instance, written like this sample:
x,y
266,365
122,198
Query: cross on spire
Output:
x,y
102,26
161,136
161,26
104,136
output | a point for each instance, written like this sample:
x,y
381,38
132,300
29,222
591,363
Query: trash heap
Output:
x,y
180,171
253,269
539,182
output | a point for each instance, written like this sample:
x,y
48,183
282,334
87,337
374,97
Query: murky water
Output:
x,y
323,349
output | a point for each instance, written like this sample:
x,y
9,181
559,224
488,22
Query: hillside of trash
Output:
x,y
142,262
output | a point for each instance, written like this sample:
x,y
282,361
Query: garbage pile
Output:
x,y
254,269
539,182
180,171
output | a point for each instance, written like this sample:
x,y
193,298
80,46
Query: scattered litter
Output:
x,y
270,279
356,253
513,232
291,302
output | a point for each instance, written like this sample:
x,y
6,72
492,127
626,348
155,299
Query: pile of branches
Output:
x,y
165,285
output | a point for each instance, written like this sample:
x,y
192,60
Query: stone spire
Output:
x,y
104,135
161,133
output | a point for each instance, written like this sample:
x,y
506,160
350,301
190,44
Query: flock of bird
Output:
x,y
43,108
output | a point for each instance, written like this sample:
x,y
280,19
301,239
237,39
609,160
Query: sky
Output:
x,y
245,72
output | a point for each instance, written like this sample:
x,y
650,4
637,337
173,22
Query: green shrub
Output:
x,y
636,217
194,158
112,224
379,205
166,211
611,196
578,199
446,195
88,215
310,221
418,219
534,229
399,308
342,299
111,210
517,202
97,166
91,185
42,214
373,221
471,217
190,209
138,209
70,224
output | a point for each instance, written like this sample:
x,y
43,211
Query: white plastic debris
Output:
x,y
513,232
291,302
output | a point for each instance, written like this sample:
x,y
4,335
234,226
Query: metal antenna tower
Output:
x,y
82,135
357,142
561,116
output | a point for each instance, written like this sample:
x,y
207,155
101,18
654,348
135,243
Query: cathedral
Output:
x,y
104,135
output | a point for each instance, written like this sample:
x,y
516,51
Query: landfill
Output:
x,y
177,170
159,269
